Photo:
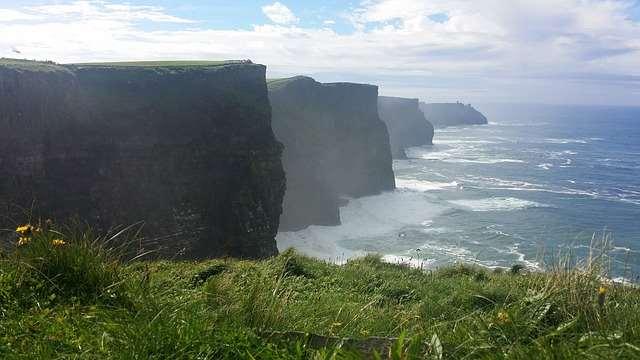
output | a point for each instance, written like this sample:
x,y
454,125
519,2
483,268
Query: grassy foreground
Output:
x,y
67,294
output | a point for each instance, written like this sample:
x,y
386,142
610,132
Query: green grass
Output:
x,y
29,65
277,83
81,300
182,63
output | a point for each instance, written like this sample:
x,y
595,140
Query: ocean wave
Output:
x,y
438,230
545,166
536,124
497,204
490,183
566,141
464,141
372,217
484,161
623,249
561,154
622,164
459,152
423,185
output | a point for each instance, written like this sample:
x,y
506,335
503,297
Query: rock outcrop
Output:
x,y
187,149
335,146
452,114
406,123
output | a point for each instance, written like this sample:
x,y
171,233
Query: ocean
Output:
x,y
531,187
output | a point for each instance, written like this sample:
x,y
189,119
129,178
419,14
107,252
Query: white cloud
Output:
x,y
483,51
7,15
279,13
91,10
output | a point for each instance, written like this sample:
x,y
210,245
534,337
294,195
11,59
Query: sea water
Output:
x,y
530,188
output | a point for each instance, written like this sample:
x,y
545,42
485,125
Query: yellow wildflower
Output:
x,y
503,318
602,292
25,230
58,242
23,241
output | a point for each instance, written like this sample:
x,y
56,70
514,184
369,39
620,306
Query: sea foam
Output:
x,y
374,216
497,204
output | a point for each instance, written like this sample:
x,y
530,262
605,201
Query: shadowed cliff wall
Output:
x,y
452,114
406,123
189,150
335,146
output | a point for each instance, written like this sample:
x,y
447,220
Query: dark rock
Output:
x,y
406,123
189,150
453,114
335,145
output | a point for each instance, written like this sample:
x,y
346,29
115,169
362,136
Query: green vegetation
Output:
x,y
30,65
183,63
279,83
66,294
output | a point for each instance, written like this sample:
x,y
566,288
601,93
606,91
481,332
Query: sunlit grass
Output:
x,y
80,298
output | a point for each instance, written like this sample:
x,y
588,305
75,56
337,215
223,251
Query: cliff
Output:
x,y
188,149
334,145
406,123
452,114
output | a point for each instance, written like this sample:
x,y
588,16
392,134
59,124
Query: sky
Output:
x,y
473,51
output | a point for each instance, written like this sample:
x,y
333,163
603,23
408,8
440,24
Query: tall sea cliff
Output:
x,y
189,150
335,146
406,123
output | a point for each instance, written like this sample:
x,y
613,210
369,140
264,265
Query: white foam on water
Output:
x,y
466,152
423,185
464,141
374,216
566,141
545,166
529,264
413,262
496,204
532,124
623,281
484,161
489,183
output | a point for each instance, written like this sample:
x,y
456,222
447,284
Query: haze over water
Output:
x,y
536,180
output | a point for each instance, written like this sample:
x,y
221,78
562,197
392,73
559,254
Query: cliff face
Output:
x,y
189,150
453,114
335,145
406,123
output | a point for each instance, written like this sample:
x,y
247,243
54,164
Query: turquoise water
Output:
x,y
533,185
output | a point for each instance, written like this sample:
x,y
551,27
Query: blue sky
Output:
x,y
543,51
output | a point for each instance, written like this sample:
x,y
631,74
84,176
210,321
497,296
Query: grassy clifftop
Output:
x,y
64,295
183,63
33,66
48,66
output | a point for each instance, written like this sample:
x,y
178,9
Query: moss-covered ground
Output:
x,y
68,294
